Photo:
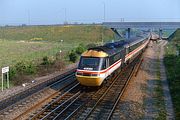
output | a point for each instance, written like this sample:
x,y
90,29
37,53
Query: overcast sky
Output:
x,y
17,12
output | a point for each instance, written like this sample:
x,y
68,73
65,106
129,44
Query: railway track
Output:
x,y
73,101
58,103
104,107
71,108
118,97
88,103
68,103
55,88
27,91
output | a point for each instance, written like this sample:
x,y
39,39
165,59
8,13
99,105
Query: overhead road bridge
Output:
x,y
141,25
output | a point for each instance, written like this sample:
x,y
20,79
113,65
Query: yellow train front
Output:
x,y
91,68
97,63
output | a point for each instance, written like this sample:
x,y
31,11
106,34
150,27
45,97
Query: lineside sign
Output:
x,y
5,69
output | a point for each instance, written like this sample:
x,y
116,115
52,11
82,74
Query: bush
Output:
x,y
12,72
20,67
19,73
22,71
48,61
24,68
31,68
72,56
80,49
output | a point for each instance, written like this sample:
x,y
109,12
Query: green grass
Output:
x,y
18,43
159,103
172,63
15,51
5,85
159,96
32,43
69,34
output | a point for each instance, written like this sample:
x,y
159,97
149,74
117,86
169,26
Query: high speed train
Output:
x,y
97,63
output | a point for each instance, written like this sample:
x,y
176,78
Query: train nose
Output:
x,y
89,79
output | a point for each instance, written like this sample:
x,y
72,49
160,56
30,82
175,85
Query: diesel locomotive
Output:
x,y
97,63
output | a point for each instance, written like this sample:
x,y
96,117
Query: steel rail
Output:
x,y
62,80
69,116
76,96
39,103
121,93
13,99
40,112
66,107
105,87
92,109
131,70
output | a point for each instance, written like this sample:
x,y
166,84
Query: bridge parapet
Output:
x,y
150,25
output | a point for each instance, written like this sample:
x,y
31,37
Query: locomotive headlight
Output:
x,y
94,74
101,75
79,73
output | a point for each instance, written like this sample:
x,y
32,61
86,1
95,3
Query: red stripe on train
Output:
x,y
101,72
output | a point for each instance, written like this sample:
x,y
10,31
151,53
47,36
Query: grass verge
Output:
x,y
172,64
159,96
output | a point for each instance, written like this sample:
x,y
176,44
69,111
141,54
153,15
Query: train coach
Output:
x,y
97,63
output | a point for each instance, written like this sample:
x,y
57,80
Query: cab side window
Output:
x,y
104,64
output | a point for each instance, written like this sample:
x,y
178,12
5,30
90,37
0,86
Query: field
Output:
x,y
14,51
56,33
172,63
28,46
34,42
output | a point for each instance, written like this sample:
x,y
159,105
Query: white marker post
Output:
x,y
5,70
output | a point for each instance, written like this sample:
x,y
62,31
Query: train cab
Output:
x,y
91,68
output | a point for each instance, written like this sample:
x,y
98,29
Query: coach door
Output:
x,y
107,66
123,54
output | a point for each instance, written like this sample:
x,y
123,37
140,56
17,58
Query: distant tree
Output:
x,y
46,61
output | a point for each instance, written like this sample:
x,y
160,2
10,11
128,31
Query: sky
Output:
x,y
38,12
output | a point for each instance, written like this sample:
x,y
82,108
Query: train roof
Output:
x,y
114,47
